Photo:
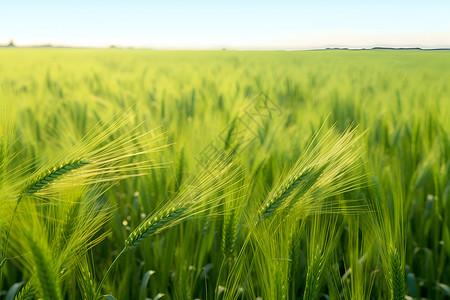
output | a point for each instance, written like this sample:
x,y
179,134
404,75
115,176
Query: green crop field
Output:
x,y
140,174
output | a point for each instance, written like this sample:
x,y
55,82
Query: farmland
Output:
x,y
224,174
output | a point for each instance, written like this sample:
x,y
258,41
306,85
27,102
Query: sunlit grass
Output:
x,y
232,175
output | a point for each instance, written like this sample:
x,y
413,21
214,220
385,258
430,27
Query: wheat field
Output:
x,y
143,174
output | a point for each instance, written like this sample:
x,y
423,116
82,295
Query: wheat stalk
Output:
x,y
180,171
321,172
294,249
39,182
147,228
198,196
2,159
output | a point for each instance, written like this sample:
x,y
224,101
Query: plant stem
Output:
x,y
107,273
5,246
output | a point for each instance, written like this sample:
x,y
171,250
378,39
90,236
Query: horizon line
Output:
x,y
12,44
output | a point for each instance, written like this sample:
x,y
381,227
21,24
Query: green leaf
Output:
x,y
445,288
446,238
159,296
13,290
412,285
144,283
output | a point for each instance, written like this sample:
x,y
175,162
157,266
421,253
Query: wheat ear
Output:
x,y
303,180
26,293
85,281
47,278
313,276
147,228
50,175
196,198
151,226
229,234
42,180
397,277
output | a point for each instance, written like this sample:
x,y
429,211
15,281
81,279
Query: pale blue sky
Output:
x,y
230,24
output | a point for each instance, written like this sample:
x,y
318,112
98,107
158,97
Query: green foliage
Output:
x,y
232,175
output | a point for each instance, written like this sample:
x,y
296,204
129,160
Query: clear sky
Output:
x,y
227,24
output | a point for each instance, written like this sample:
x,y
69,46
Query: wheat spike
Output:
x,y
45,178
85,281
397,278
152,225
303,180
46,277
26,292
229,234
313,276
323,170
